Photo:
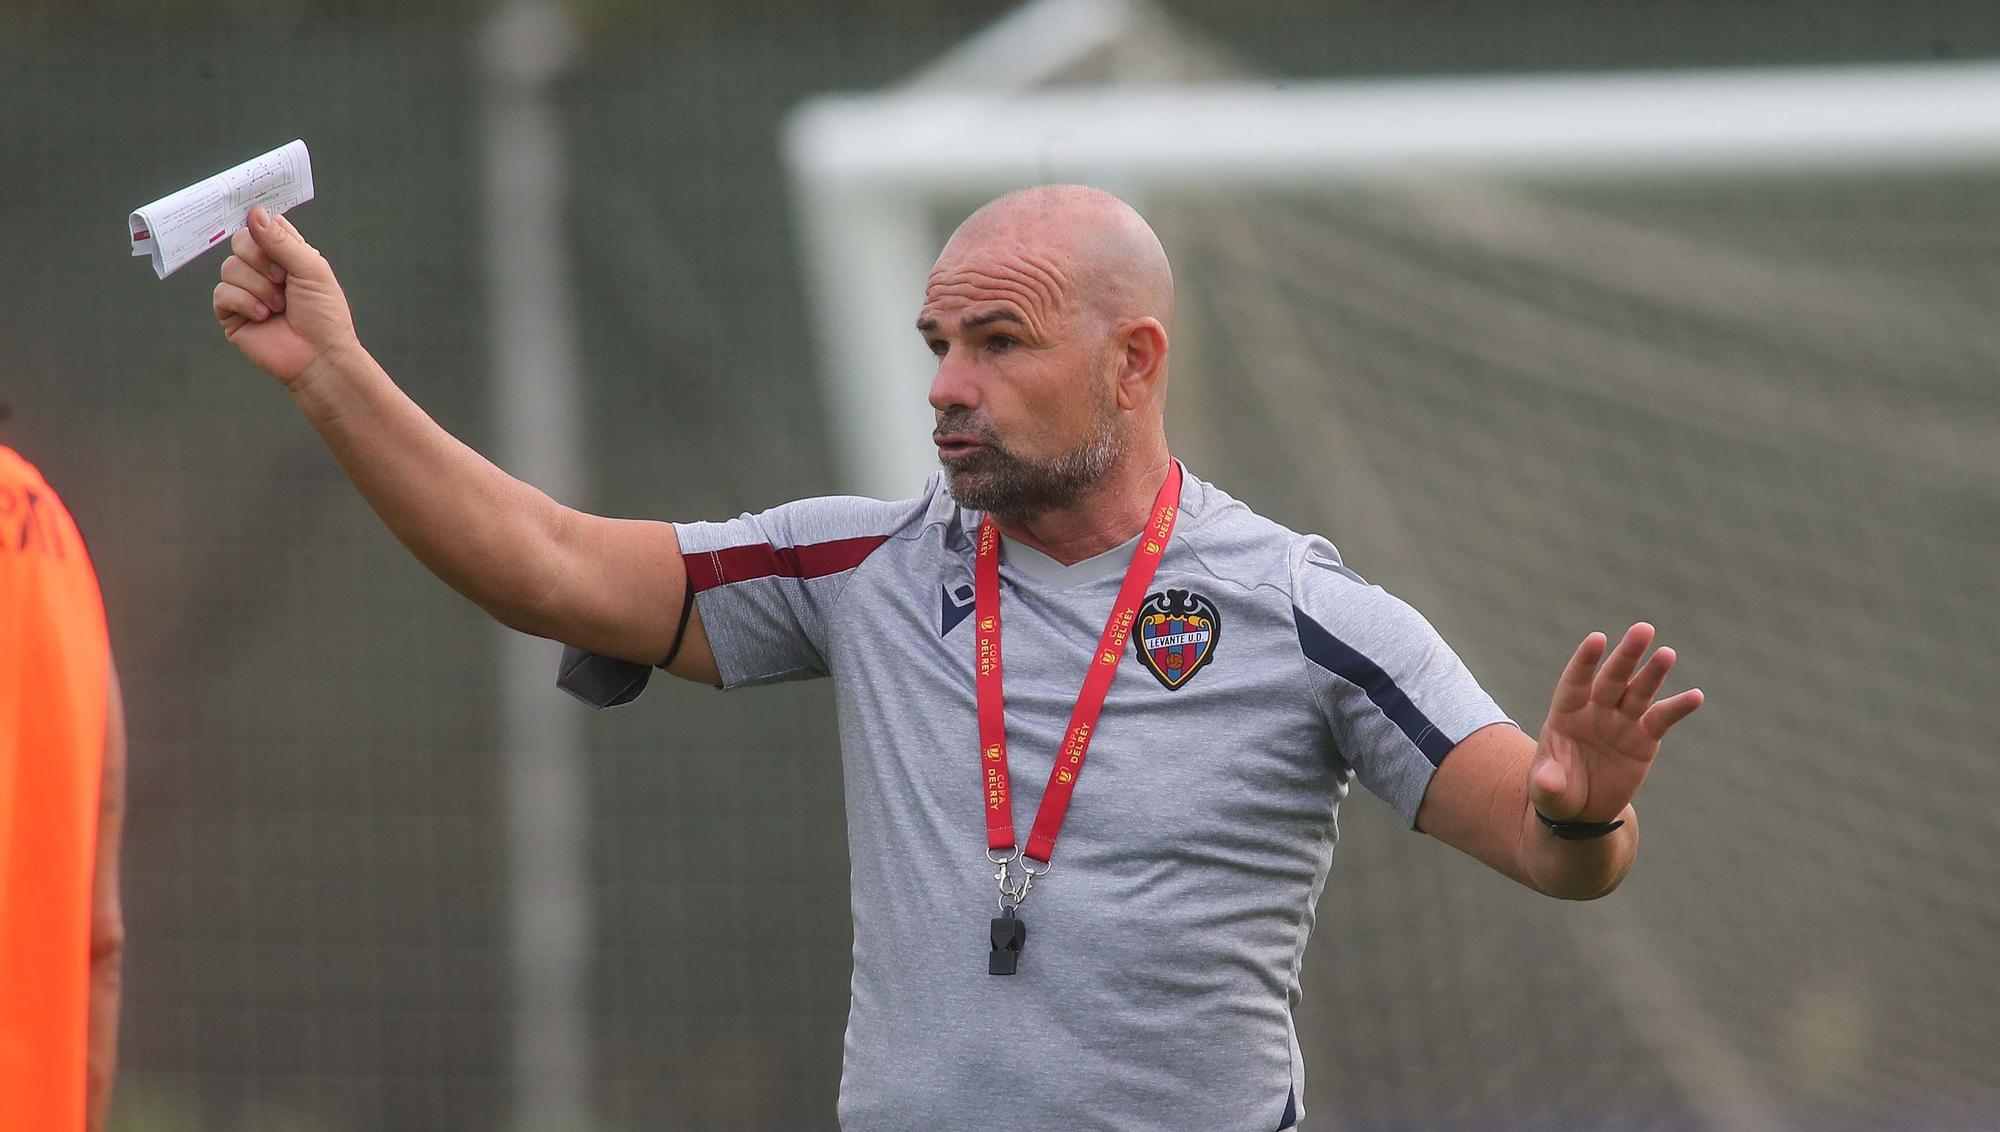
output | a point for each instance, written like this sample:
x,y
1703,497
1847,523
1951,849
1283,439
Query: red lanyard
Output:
x,y
1089,702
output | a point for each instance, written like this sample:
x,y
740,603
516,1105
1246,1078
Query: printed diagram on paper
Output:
x,y
182,225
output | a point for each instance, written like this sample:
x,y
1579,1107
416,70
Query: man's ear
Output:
x,y
1142,361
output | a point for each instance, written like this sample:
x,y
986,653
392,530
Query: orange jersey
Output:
x,y
54,670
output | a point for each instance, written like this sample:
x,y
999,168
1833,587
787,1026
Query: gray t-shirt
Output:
x,y
1162,964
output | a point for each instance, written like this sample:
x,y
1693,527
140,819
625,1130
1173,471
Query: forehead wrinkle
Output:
x,y
1038,276
1035,283
1028,292
1047,275
988,288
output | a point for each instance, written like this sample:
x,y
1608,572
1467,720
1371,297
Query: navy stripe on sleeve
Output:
x,y
1339,658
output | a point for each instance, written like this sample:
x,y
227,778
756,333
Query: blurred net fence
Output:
x,y
1760,412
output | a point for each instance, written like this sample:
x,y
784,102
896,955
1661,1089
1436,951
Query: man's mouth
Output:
x,y
955,446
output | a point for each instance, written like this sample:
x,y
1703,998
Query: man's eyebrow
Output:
x,y
991,317
988,318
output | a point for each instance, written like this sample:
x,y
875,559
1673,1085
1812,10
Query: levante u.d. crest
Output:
x,y
1177,634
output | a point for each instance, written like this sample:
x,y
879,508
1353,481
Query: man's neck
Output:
x,y
1114,511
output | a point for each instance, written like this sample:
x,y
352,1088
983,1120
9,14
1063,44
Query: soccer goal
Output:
x,y
1543,354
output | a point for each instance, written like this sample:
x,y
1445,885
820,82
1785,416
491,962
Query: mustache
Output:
x,y
964,422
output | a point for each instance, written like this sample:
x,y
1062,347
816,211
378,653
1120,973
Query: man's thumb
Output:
x,y
1546,784
282,242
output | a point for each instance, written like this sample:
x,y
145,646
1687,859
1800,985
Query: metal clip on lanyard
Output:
x,y
1014,887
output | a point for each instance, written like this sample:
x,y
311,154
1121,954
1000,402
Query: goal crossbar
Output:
x,y
866,167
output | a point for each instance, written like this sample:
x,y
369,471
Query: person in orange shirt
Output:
x,y
62,786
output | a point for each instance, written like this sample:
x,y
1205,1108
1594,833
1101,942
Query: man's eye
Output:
x,y
999,343
937,347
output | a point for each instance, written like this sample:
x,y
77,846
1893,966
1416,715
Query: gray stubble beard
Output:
x,y
1008,486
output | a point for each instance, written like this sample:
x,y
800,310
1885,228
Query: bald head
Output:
x,y
1104,257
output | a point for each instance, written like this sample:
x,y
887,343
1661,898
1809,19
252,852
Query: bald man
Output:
x,y
1180,690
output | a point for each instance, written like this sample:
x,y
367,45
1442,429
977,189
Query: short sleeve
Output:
x,y
1396,697
767,583
766,586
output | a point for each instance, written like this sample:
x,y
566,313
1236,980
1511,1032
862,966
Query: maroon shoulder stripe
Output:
x,y
707,569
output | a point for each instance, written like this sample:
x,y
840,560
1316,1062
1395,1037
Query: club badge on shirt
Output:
x,y
1177,634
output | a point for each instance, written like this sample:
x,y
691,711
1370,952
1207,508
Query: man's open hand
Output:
x,y
278,301
1604,728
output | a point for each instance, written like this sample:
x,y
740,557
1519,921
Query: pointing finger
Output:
x,y
1623,662
1573,688
1662,716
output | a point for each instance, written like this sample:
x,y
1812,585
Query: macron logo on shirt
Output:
x,y
957,607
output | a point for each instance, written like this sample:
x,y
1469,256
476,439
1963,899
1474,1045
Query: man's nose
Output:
x,y
954,385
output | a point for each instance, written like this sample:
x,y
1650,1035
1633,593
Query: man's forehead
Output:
x,y
1028,286
1037,258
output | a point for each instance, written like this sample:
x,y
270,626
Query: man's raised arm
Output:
x,y
610,586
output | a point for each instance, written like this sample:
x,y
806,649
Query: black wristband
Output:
x,y
1578,830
